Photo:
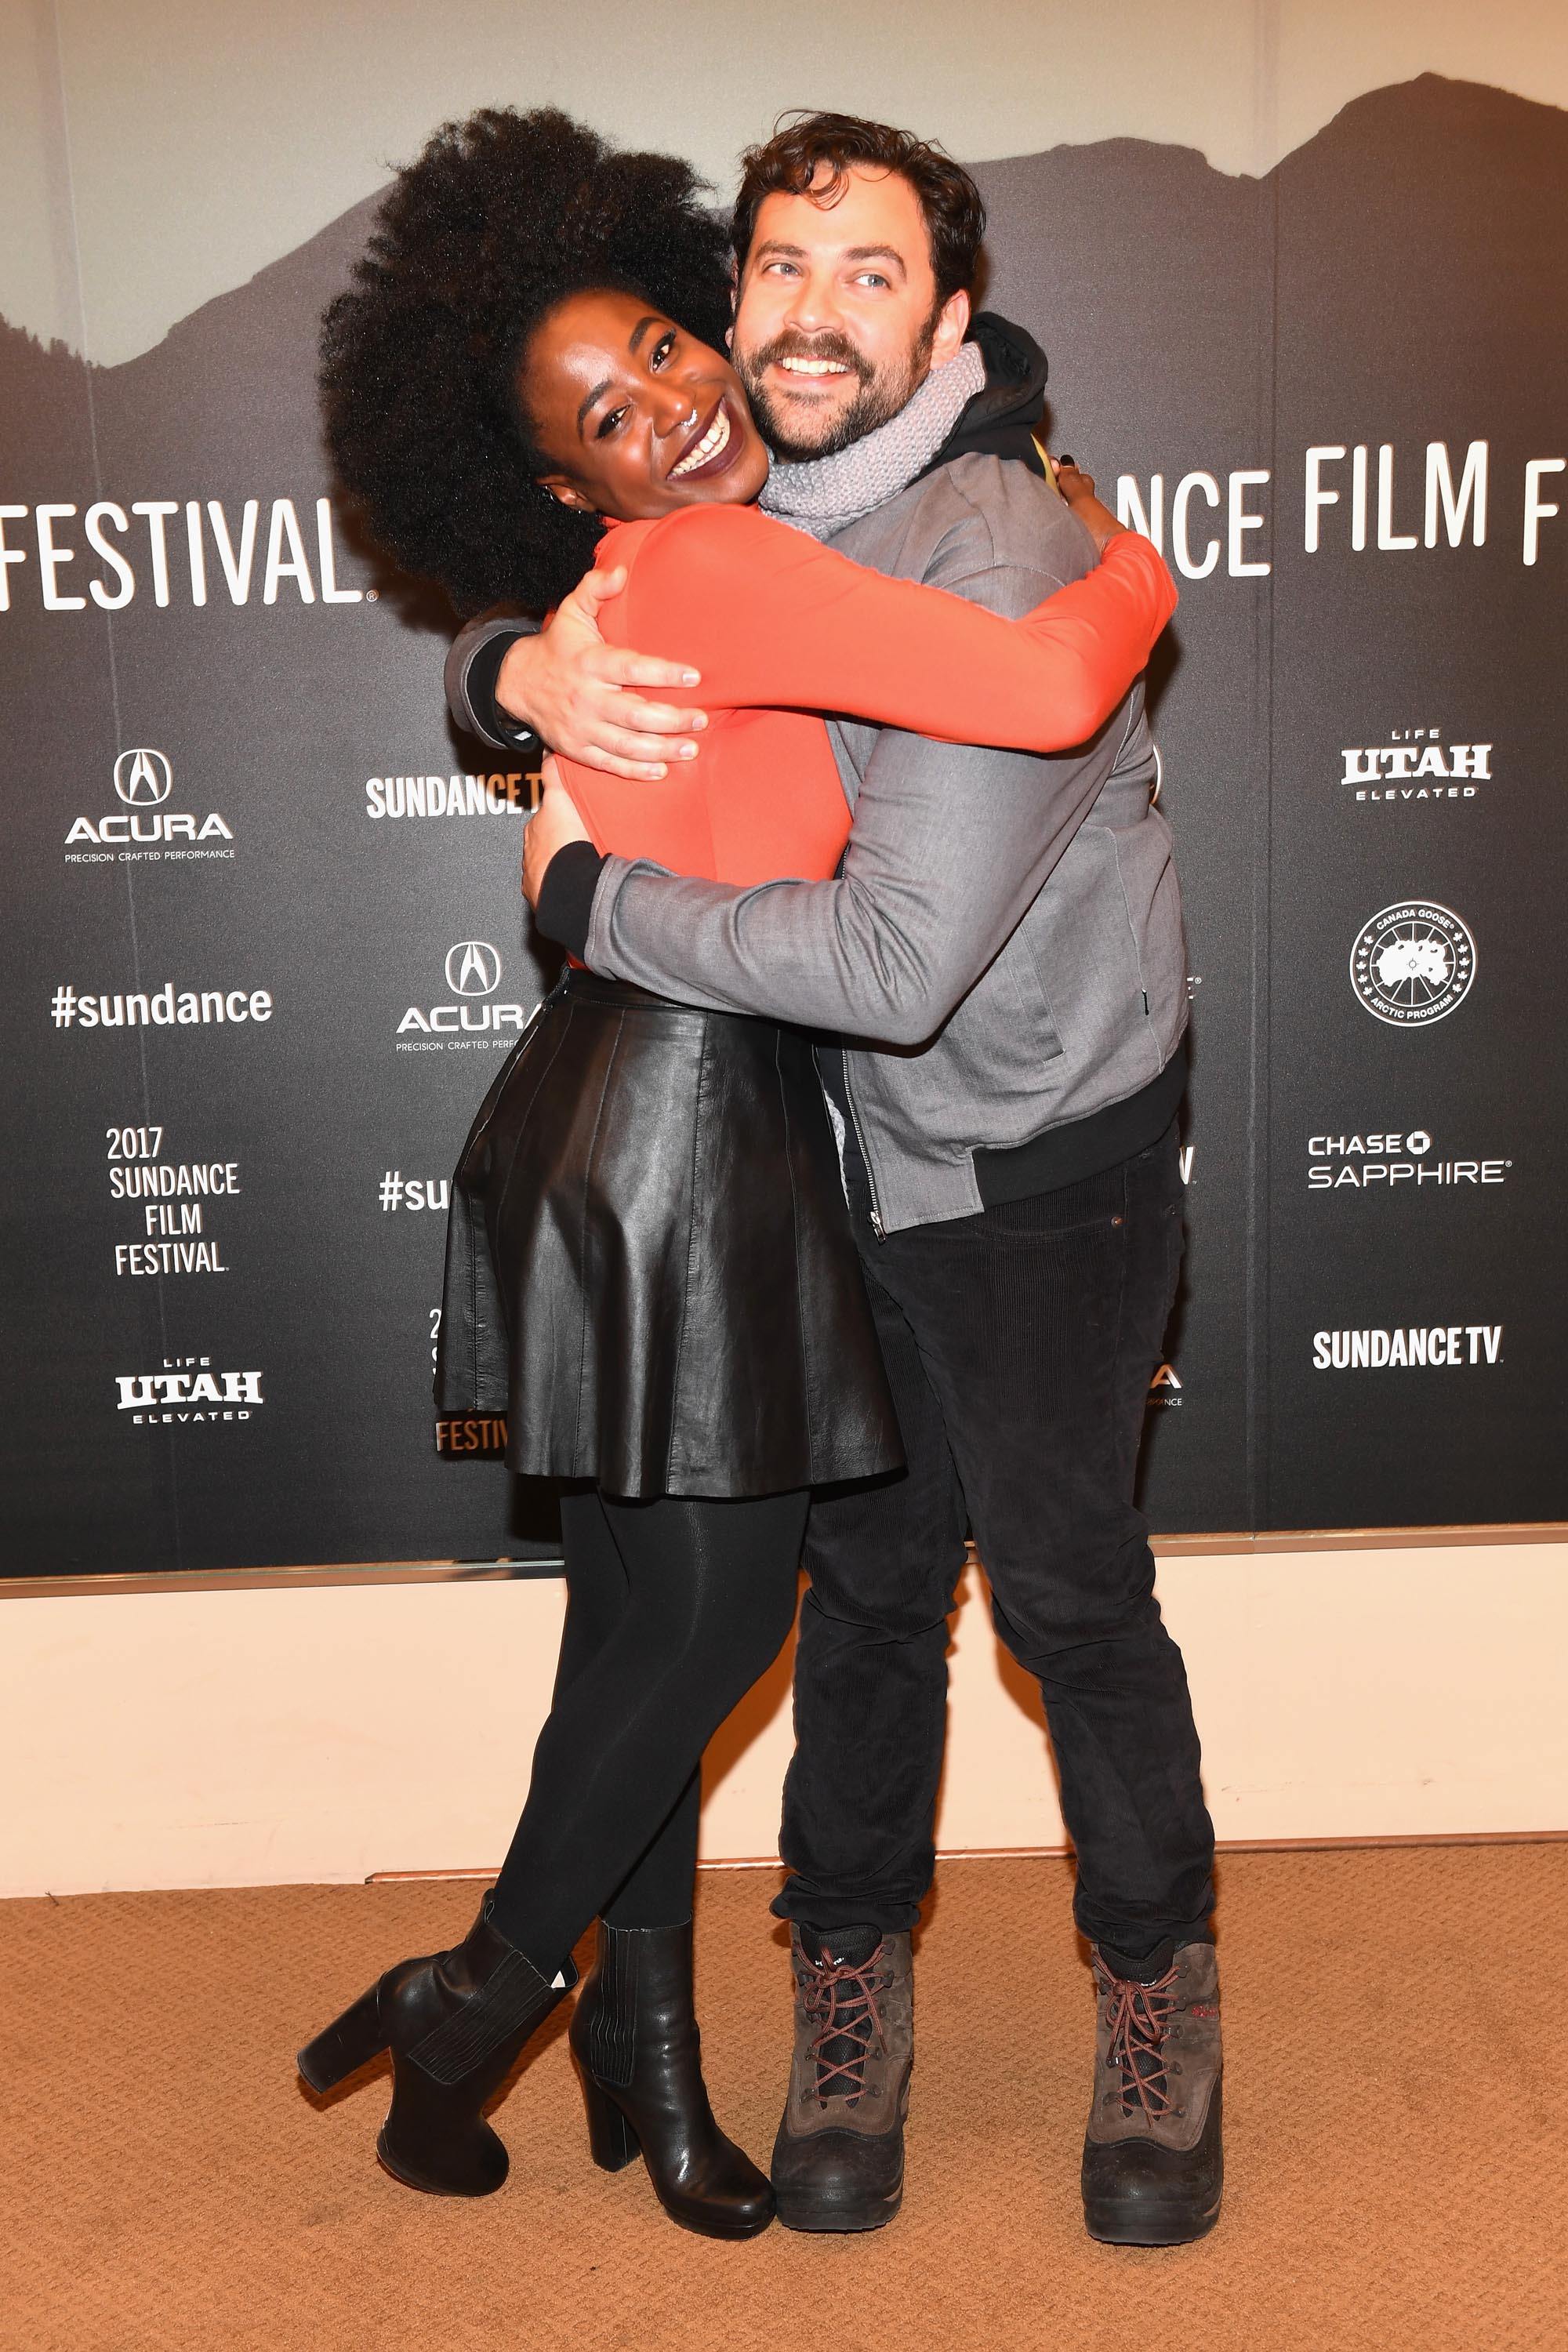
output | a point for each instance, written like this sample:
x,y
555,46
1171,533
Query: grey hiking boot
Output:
x,y
1153,2162
839,2160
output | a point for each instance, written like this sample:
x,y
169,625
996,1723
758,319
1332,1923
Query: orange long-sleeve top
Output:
x,y
783,628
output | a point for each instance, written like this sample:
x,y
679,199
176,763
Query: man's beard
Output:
x,y
880,395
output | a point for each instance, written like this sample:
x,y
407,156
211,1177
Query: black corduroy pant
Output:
x,y
1020,1344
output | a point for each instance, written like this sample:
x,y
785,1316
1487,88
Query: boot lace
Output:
x,y
842,1999
1139,2016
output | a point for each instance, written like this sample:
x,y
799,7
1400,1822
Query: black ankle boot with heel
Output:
x,y
634,2035
454,2023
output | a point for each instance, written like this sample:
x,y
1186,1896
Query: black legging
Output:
x,y
674,1609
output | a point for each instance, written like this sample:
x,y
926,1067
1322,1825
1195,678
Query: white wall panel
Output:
x,y
254,1736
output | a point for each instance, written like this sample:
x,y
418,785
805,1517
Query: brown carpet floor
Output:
x,y
1395,2101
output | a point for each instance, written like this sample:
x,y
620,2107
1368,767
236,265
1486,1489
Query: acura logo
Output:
x,y
473,968
142,777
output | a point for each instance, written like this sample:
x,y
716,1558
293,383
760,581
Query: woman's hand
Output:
x,y
553,823
1078,488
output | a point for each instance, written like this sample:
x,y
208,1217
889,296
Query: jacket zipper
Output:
x,y
876,1225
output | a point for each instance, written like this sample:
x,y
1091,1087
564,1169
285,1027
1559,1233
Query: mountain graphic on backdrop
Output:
x,y
1144,267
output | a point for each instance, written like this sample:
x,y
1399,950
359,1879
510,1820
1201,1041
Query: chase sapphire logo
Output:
x,y
1413,964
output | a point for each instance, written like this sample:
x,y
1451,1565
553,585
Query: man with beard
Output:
x,y
1012,1002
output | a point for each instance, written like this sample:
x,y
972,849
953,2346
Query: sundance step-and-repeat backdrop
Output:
x,y
263,940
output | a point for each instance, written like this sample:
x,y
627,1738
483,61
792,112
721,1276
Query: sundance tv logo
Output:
x,y
1413,964
472,971
1443,1345
143,781
512,794
188,1390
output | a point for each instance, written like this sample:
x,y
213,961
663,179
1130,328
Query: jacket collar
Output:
x,y
1001,420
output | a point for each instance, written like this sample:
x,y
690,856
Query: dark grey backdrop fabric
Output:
x,y
224,1221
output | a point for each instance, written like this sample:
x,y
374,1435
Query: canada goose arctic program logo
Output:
x,y
1413,964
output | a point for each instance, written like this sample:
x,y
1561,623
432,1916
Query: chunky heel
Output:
x,y
612,2143
454,2023
634,2036
350,2042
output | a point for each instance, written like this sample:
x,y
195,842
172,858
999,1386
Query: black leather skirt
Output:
x,y
649,1267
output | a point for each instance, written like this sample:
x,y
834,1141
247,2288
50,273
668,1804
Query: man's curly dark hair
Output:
x,y
501,218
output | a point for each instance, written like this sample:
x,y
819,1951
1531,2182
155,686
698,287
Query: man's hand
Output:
x,y
580,695
553,823
1078,488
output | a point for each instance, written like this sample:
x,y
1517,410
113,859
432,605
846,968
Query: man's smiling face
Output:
x,y
837,320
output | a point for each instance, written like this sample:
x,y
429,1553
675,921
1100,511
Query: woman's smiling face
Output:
x,y
638,417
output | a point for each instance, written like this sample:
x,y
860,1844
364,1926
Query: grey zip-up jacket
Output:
x,y
1002,949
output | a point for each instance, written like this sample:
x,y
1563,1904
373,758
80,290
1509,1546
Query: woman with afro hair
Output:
x,y
649,1266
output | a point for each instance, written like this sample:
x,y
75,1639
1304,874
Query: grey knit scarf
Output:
x,y
824,495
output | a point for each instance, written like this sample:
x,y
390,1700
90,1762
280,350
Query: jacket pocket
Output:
x,y
1039,1034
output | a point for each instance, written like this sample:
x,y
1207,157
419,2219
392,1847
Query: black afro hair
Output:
x,y
501,218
